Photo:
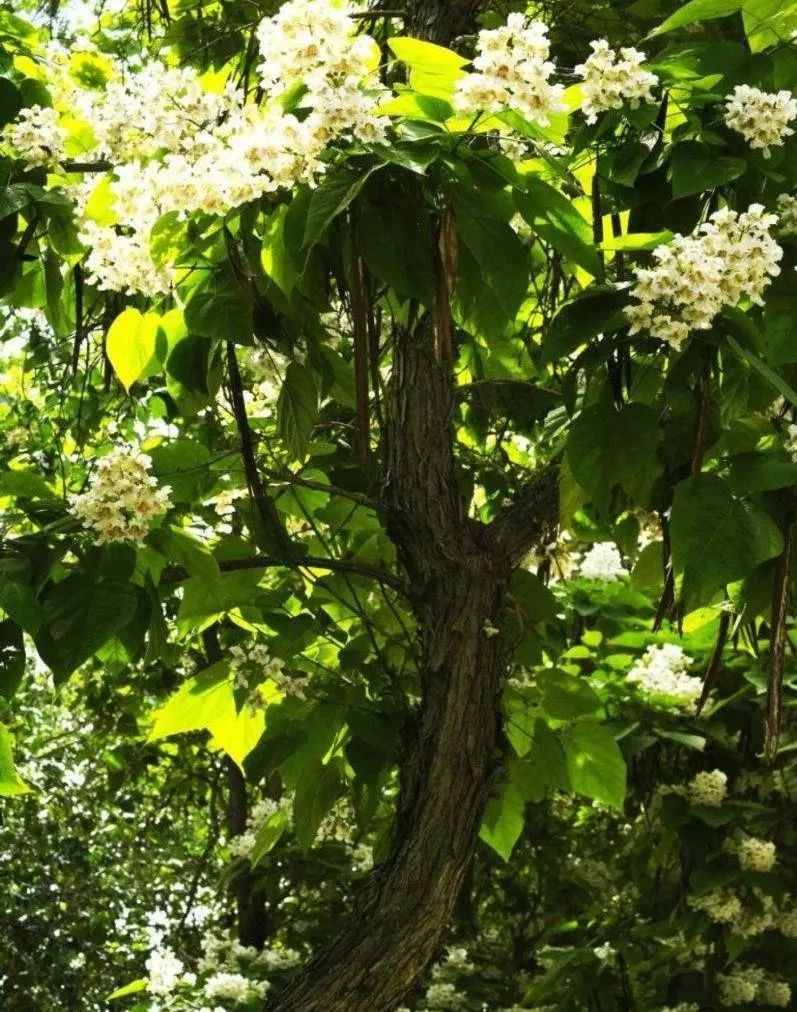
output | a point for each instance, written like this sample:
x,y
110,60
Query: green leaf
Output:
x,y
698,10
493,268
12,658
607,447
24,484
220,309
131,344
769,23
79,617
761,472
595,763
696,167
433,69
11,783
19,602
717,538
268,836
297,409
544,769
391,222
565,697
184,549
505,815
318,789
597,310
206,702
530,592
183,466
134,987
554,218
774,379
338,189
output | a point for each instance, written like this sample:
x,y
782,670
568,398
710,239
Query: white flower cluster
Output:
x,y
178,146
791,442
318,45
37,136
234,987
611,79
512,71
787,214
165,971
746,918
603,562
732,256
221,954
761,117
444,996
242,845
752,984
755,854
662,672
708,788
252,660
122,499
683,1006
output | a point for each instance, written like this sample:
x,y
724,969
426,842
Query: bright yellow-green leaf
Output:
x,y
11,783
134,987
433,69
206,703
131,344
99,206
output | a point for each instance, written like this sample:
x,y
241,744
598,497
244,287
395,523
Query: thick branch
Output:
x,y
531,519
174,574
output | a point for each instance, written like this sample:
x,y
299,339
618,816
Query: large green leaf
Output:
x,y
696,168
11,783
504,816
79,617
717,538
433,69
318,789
609,447
564,696
395,239
297,409
597,310
698,10
554,218
595,763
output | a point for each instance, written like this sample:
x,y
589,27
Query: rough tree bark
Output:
x,y
459,571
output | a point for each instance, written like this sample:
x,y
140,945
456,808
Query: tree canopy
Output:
x,y
398,461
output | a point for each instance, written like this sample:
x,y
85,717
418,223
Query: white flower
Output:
x,y
164,971
234,987
36,135
611,80
662,672
443,996
787,214
756,855
731,256
512,71
752,984
761,117
603,562
123,498
708,788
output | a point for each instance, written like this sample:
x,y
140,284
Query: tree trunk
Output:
x,y
459,571
441,21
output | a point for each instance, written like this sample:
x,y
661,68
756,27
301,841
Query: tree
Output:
x,y
498,308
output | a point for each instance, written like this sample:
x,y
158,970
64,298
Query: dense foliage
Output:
x,y
397,469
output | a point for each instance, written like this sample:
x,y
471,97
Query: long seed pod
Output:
x,y
715,661
445,279
359,314
777,645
